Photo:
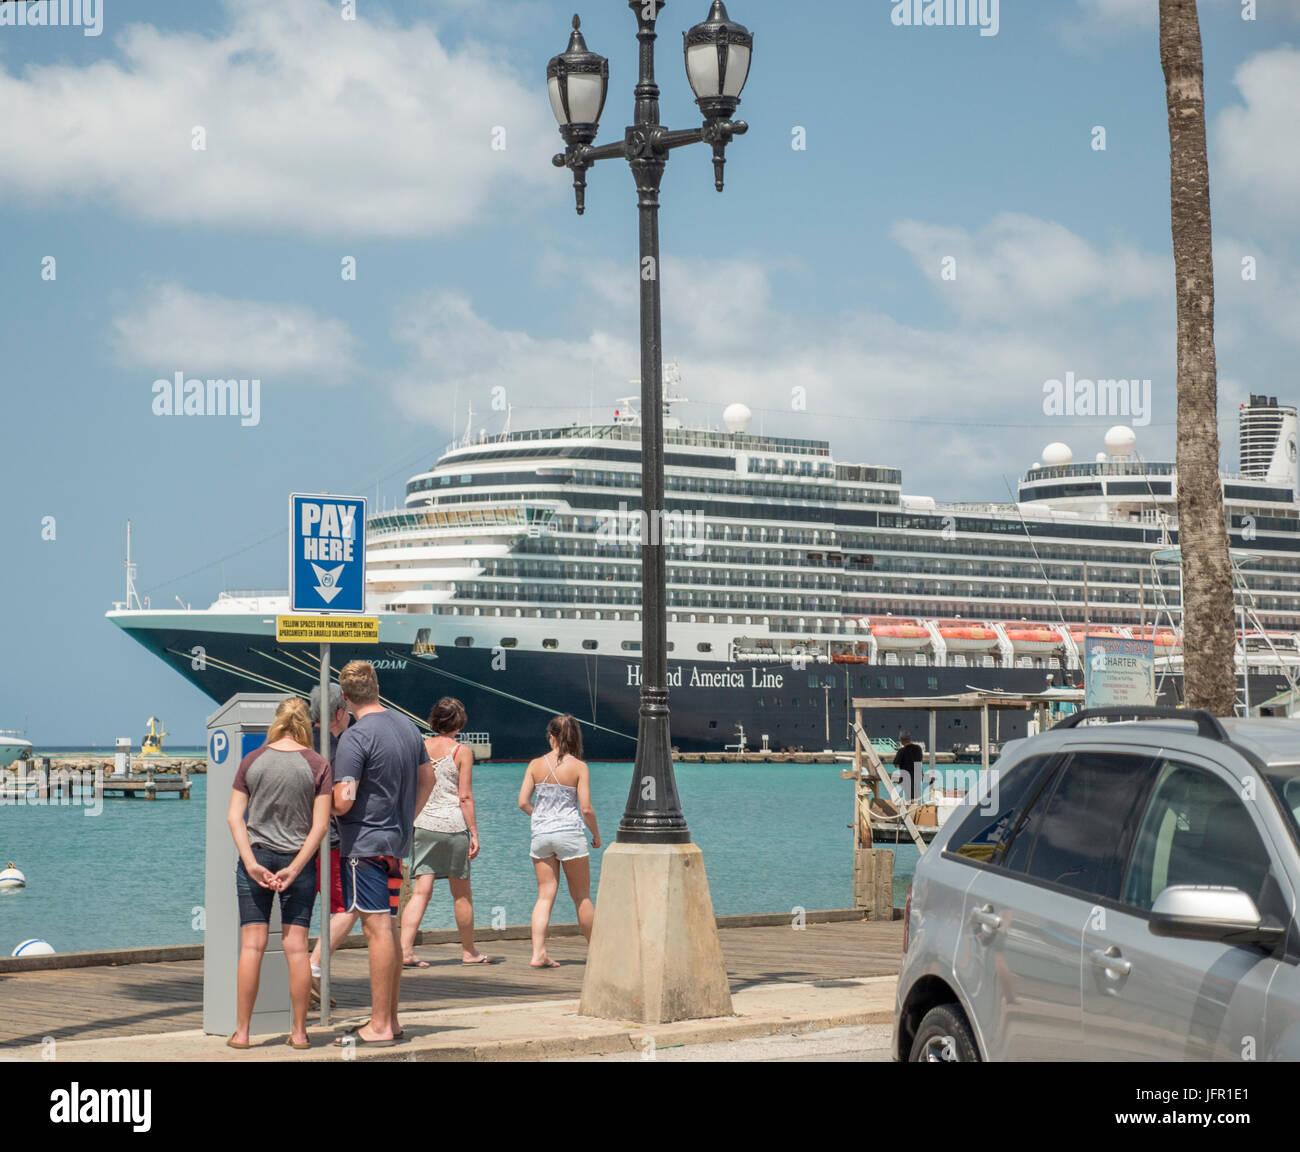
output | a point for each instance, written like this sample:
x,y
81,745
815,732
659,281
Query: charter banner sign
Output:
x,y
1119,673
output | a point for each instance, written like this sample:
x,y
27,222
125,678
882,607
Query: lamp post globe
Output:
x,y
717,62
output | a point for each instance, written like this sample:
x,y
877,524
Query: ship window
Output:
x,y
550,643
589,644
704,647
509,642
671,645
898,682
464,641
631,645
713,723
882,681
933,683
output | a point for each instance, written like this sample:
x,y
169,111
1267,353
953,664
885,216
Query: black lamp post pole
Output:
x,y
653,814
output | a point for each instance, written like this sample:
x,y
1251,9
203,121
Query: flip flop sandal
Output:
x,y
415,964
484,960
294,1044
361,1042
231,1043
353,1029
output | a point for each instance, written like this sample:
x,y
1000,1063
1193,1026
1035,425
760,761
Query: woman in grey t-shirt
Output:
x,y
279,814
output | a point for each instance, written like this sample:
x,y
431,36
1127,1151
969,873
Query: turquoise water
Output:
x,y
774,837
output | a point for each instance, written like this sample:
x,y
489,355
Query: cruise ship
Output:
x,y
510,578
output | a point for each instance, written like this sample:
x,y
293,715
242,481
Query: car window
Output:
x,y
1077,840
1196,830
986,830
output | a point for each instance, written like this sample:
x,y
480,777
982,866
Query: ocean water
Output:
x,y
775,837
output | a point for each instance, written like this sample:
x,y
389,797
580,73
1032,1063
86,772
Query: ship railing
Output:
x,y
252,593
474,738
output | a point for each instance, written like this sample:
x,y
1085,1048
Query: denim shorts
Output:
x,y
567,844
255,902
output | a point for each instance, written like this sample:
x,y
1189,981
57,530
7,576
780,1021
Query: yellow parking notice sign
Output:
x,y
327,629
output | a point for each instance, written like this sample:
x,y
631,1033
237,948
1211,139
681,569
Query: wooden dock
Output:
x,y
137,999
46,780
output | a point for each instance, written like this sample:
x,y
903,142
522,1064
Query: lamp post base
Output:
x,y
655,956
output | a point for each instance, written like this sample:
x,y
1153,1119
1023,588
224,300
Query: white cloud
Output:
x,y
882,391
1020,264
177,330
314,125
1257,143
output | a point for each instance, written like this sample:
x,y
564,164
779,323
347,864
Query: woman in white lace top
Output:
x,y
446,835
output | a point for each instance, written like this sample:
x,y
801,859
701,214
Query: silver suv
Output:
x,y
1125,891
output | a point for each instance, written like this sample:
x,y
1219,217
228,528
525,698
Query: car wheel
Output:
x,y
944,1036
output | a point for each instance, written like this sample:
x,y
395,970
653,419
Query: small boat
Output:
x,y
13,747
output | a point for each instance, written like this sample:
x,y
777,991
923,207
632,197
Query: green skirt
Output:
x,y
442,855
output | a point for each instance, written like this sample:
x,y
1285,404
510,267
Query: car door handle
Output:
x,y
986,919
1110,959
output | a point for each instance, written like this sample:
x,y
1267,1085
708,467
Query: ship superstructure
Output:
x,y
511,578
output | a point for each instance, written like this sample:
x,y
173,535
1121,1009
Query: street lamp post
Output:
x,y
654,952
717,64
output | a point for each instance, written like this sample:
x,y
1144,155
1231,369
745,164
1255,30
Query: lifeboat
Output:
x,y
895,636
1079,635
1028,639
968,637
1162,637
856,655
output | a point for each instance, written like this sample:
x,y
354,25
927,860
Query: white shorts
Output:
x,y
567,844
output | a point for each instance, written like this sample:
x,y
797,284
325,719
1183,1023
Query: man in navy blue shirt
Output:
x,y
382,777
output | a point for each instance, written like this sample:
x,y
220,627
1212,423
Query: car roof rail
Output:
x,y
1207,724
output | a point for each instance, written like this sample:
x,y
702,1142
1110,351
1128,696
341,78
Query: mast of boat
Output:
x,y
469,426
132,597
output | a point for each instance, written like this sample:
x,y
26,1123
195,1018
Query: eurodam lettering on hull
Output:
x,y
806,581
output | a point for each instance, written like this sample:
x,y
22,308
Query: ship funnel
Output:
x,y
1268,441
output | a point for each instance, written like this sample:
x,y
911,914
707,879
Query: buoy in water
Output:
x,y
34,947
10,877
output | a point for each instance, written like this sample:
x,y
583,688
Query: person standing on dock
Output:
x,y
341,922
906,759
446,835
382,778
560,785
279,814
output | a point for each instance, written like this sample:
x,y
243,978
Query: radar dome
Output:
x,y
1057,454
736,417
1121,440
1102,457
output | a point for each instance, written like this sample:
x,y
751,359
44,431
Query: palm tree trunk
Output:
x,y
1208,618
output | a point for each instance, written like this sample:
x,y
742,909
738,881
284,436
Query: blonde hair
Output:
x,y
359,682
291,720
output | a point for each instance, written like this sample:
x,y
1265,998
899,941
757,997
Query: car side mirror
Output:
x,y
1211,912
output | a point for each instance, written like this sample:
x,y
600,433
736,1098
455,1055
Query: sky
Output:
x,y
923,226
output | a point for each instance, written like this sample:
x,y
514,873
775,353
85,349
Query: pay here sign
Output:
x,y
327,553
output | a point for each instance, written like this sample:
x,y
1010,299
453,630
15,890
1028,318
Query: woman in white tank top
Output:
x,y
446,835
556,794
